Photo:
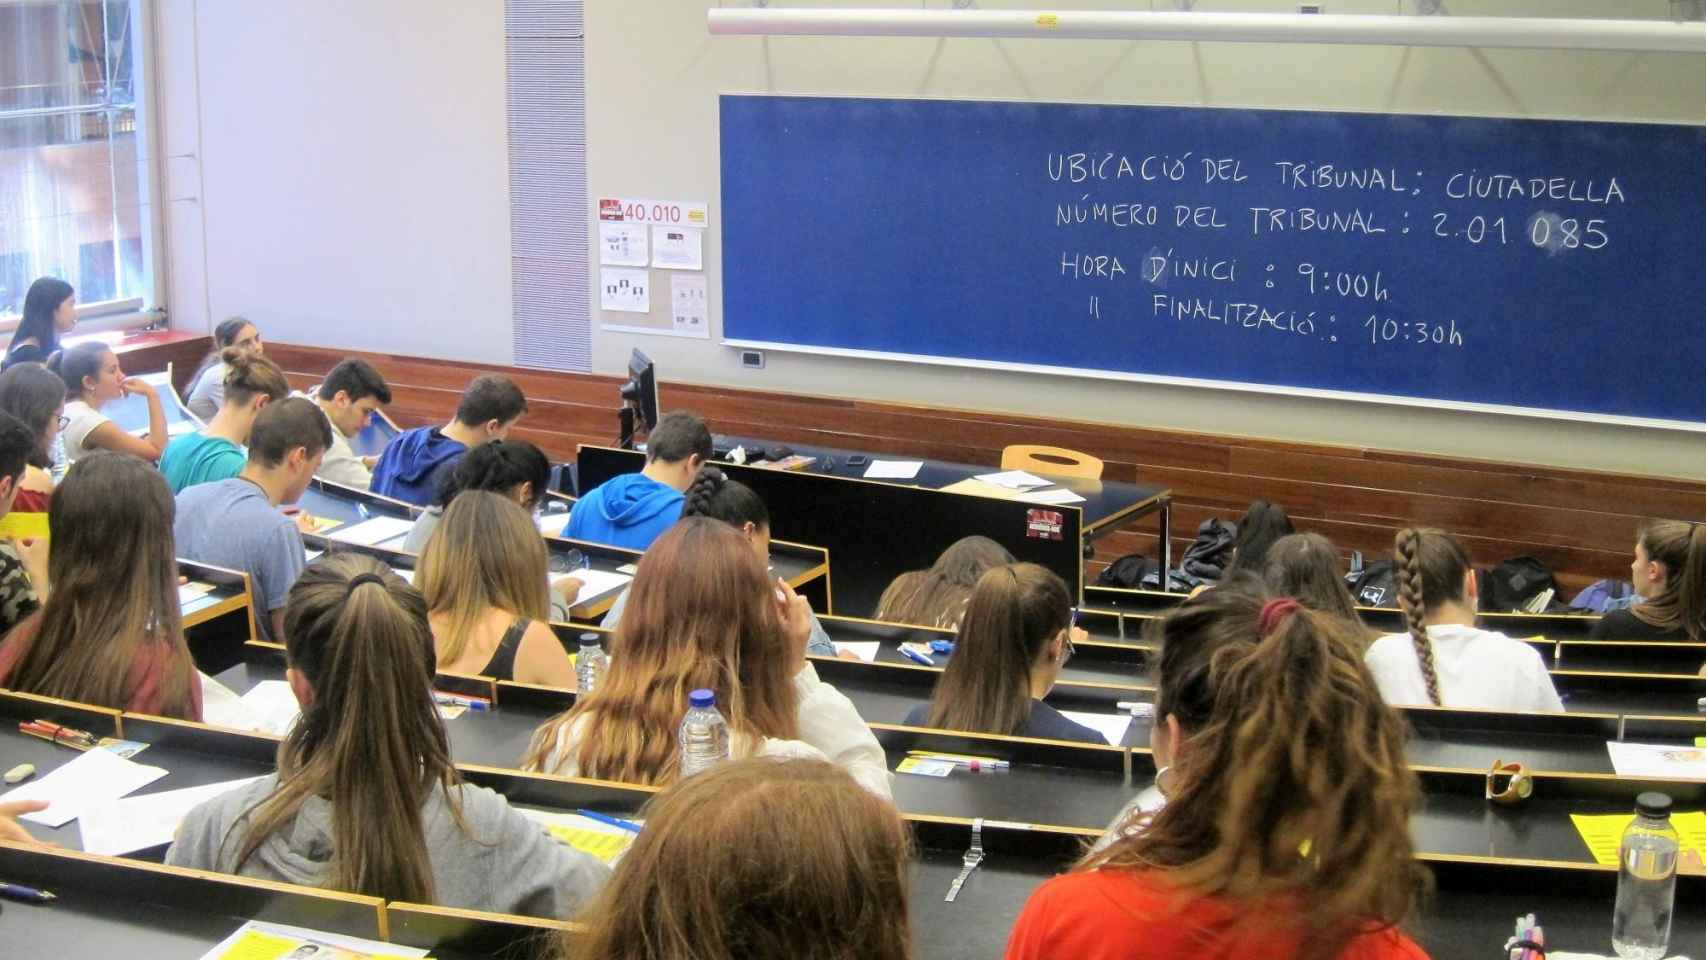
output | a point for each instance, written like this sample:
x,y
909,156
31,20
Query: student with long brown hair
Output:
x,y
1443,659
704,613
757,858
483,577
1264,851
110,633
1306,566
93,379
1014,640
366,799
207,384
1669,573
35,395
216,451
937,597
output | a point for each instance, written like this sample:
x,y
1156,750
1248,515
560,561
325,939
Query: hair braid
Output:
x,y
1407,550
705,487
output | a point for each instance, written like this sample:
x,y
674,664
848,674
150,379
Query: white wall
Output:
x,y
347,162
353,177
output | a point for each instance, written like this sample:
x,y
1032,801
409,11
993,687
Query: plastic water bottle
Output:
x,y
1646,881
704,735
590,663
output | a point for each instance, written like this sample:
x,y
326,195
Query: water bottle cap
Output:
x,y
589,638
1653,804
701,699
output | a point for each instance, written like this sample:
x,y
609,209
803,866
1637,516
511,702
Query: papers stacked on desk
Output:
x,y
373,532
90,779
272,941
270,707
141,823
594,583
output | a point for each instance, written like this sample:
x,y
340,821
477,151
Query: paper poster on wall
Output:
x,y
678,248
622,245
668,213
689,305
626,290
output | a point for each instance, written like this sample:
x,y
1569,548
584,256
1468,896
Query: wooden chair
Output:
x,y
1055,461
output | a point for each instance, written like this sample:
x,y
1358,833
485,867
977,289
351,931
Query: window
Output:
x,y
74,162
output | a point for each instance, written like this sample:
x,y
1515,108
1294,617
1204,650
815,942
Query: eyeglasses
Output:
x,y
64,422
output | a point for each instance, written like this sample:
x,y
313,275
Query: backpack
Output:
x,y
1373,585
1211,552
1128,571
1512,585
1600,595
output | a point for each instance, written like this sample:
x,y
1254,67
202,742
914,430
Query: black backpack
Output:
x,y
1128,571
1509,586
1374,585
1210,553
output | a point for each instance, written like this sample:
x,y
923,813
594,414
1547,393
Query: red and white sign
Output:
x,y
1043,524
666,213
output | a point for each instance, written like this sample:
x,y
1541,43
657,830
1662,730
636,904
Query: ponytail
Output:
x,y
1413,600
371,740
1012,615
498,467
74,364
712,494
248,376
1295,788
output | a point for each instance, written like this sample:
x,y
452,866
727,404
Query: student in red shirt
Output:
x,y
1285,835
111,632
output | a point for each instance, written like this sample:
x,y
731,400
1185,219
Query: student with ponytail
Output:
x,y
1014,640
207,385
514,468
110,632
1670,575
216,451
1306,566
1443,659
705,614
1286,832
712,494
366,799
93,379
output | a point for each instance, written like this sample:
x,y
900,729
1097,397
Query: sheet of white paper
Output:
x,y
94,777
595,583
313,555
270,707
689,305
626,290
192,590
407,575
353,948
678,248
1112,726
1057,497
552,524
151,820
865,650
374,531
1657,761
893,469
622,244
1014,479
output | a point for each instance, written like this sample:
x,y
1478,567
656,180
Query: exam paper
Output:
x,y
92,777
1657,761
369,533
274,941
1014,479
1112,726
865,650
552,524
585,834
270,707
594,583
1057,497
893,469
151,820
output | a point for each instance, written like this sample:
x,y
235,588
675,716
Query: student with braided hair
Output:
x,y
1444,659
514,468
1286,832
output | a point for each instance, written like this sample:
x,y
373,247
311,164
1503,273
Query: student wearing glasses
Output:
x,y
35,395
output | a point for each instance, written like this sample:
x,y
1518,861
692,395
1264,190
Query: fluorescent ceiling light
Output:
x,y
1534,33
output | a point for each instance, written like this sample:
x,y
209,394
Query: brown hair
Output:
x,y
115,589
701,614
485,553
1681,548
371,740
1013,613
937,597
1431,566
757,858
249,375
1306,566
283,426
1292,785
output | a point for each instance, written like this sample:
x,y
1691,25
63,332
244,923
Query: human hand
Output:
x,y
305,521
10,829
138,386
796,615
569,588
33,554
370,462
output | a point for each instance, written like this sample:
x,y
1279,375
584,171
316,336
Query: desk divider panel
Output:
x,y
215,634
474,932
466,685
18,707
529,696
562,793
874,530
200,738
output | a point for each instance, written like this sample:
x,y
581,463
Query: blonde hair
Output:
x,y
371,740
701,614
757,858
486,553
1013,614
115,589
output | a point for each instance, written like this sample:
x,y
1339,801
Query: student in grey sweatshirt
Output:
x,y
361,664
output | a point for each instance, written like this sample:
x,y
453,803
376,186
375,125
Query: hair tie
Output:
x,y
360,579
1272,613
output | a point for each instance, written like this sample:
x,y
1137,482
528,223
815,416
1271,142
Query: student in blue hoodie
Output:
x,y
636,508
412,465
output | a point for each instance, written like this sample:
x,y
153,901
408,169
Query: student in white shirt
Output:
x,y
349,396
94,379
705,614
207,387
1444,659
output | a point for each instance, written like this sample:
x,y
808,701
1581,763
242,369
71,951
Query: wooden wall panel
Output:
x,y
1579,522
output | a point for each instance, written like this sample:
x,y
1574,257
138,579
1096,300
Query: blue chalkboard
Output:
x,y
1534,264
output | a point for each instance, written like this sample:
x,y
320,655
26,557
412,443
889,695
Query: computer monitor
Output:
x,y
640,393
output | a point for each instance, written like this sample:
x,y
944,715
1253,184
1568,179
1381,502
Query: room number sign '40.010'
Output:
x,y
674,213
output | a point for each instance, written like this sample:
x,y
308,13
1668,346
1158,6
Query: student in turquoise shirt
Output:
x,y
216,452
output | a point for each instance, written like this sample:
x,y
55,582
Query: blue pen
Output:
x,y
15,891
450,700
361,508
916,657
604,818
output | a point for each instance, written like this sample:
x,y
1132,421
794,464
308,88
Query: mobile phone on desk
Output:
x,y
857,460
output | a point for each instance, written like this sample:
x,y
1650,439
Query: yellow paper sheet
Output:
x,y
604,846
1603,833
24,526
255,945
